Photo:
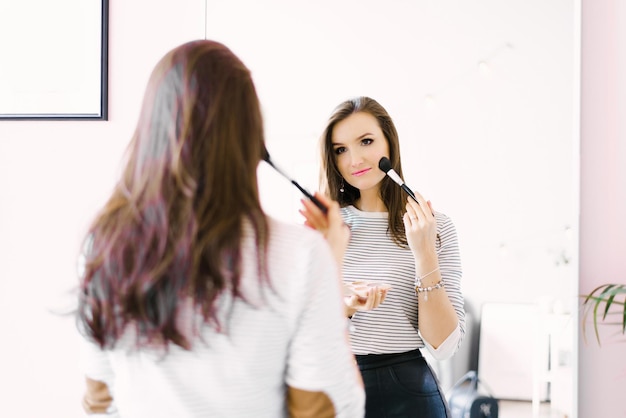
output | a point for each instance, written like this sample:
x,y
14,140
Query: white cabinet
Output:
x,y
512,348
525,353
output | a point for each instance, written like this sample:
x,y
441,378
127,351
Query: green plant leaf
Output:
x,y
592,305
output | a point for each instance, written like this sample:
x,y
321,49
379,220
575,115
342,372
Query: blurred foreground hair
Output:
x,y
170,233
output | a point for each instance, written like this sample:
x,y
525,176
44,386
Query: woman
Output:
x,y
394,241
193,302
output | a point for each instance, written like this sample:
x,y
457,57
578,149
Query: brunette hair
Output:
x,y
331,180
171,230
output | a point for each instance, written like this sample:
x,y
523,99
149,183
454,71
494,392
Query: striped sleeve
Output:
x,y
451,273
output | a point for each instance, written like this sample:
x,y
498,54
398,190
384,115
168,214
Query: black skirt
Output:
x,y
401,385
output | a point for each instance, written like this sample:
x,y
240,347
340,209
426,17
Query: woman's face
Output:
x,y
358,145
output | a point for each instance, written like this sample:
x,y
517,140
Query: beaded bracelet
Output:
x,y
420,289
439,285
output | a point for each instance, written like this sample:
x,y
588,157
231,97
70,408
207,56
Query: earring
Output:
x,y
341,188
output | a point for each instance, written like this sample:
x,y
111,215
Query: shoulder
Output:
x,y
443,220
347,211
446,228
299,258
291,234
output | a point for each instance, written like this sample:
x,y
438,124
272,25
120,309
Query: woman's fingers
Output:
x,y
422,206
420,225
313,216
325,200
318,219
368,301
330,224
415,212
375,297
419,207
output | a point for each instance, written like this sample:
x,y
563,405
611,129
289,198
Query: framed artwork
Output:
x,y
54,59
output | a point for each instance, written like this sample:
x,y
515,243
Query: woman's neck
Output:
x,y
370,201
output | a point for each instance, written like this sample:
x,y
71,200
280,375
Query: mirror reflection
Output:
x,y
483,96
71,38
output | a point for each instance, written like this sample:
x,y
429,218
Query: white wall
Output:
x,y
493,151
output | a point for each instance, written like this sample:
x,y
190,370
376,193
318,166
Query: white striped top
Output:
x,y
294,337
372,255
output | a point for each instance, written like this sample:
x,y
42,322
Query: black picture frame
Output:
x,y
97,107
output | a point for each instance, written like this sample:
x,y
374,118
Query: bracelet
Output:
x,y
419,288
439,285
418,279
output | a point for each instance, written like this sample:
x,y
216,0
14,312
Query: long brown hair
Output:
x,y
331,180
171,230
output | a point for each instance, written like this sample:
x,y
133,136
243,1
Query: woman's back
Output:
x,y
291,333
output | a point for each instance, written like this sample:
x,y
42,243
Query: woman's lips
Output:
x,y
361,172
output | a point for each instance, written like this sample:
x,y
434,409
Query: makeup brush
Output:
x,y
266,158
385,165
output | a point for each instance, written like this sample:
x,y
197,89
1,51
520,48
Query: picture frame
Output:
x,y
54,60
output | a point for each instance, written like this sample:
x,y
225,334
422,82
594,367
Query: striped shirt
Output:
x,y
372,255
293,336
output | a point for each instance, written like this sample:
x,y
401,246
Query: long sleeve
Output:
x,y
97,399
320,363
451,273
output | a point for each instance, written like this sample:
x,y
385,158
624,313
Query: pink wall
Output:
x,y
53,177
48,184
602,369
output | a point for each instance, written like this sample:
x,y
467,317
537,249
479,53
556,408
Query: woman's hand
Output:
x,y
331,224
421,230
365,302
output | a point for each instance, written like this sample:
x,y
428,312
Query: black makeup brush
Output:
x,y
266,158
385,165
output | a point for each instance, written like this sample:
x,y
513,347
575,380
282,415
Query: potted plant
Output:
x,y
606,306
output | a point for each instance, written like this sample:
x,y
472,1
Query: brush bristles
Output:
x,y
384,164
266,155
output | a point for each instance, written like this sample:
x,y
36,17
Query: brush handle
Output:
x,y
266,157
409,192
310,196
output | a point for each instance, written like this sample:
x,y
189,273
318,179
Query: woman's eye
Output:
x,y
367,141
340,150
